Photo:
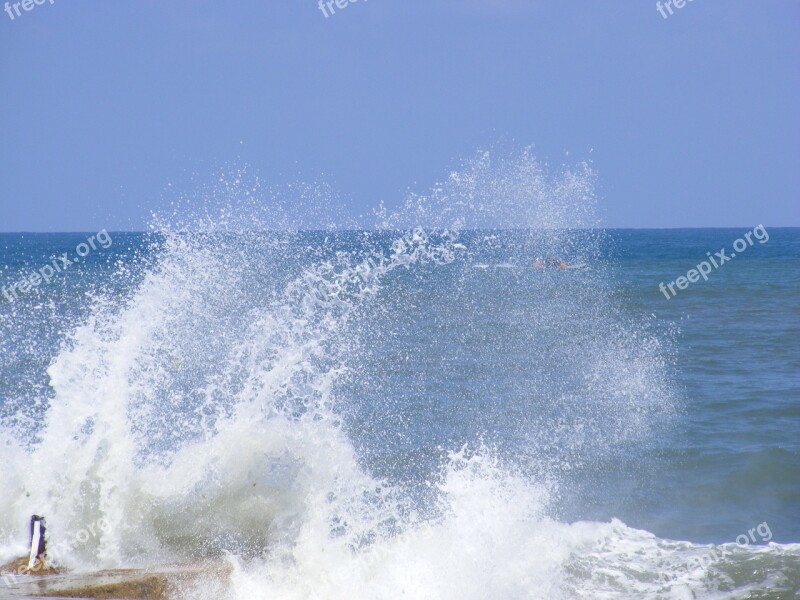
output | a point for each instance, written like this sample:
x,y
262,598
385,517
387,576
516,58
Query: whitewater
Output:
x,y
339,411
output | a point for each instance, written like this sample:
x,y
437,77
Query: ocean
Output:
x,y
408,411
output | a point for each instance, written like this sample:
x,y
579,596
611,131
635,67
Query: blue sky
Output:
x,y
689,121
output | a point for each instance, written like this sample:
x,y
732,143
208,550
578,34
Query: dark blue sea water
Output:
x,y
365,388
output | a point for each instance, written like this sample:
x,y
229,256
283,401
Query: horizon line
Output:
x,y
321,230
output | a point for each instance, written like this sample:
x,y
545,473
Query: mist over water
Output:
x,y
408,410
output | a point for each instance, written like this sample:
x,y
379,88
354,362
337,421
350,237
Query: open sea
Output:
x,y
407,412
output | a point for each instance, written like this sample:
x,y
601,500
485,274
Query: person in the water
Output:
x,y
551,262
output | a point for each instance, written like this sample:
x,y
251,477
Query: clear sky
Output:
x,y
690,120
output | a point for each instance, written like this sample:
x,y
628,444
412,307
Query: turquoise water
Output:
x,y
343,371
